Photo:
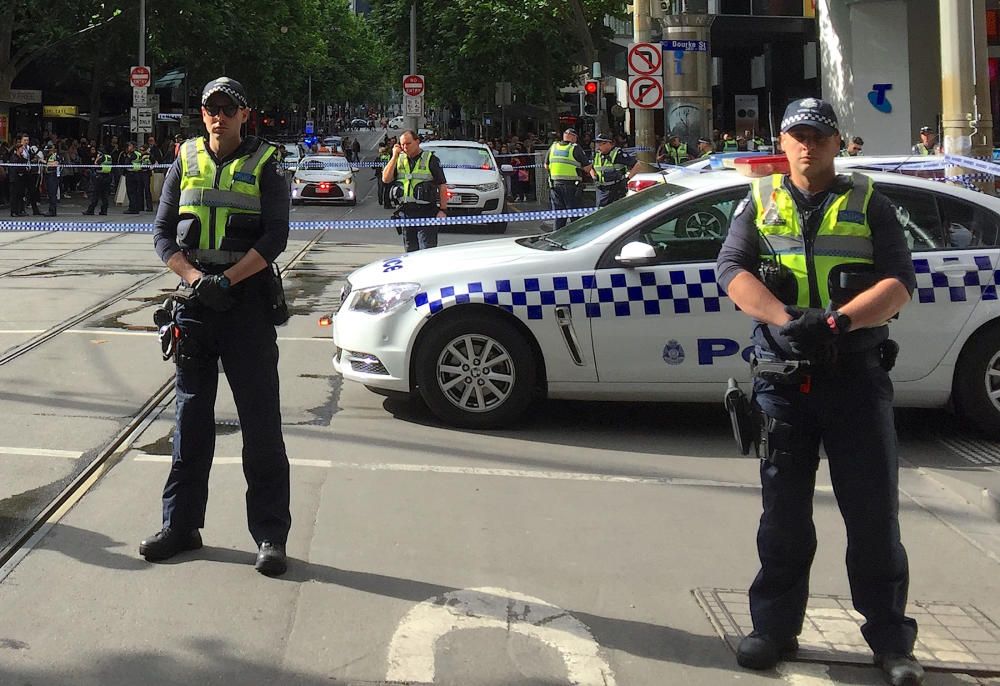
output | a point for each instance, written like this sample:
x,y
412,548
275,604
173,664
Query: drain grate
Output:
x,y
978,452
957,638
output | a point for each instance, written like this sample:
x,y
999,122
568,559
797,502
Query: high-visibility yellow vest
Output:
x,y
411,176
563,164
844,235
677,155
212,194
730,145
136,157
606,163
104,159
923,149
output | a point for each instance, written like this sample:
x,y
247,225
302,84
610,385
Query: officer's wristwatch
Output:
x,y
224,281
838,322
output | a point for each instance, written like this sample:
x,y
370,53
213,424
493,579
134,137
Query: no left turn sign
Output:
x,y
646,92
645,59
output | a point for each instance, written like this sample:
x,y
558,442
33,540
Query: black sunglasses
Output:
x,y
228,110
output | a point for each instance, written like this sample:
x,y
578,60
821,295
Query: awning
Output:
x,y
172,79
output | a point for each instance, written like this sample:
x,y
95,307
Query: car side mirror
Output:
x,y
506,168
636,254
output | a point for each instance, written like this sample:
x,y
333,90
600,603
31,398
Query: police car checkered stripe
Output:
x,y
613,294
980,282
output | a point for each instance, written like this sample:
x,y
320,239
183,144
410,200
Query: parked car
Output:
x,y
324,178
475,182
359,123
623,304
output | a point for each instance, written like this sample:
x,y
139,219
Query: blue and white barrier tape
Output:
x,y
973,163
334,224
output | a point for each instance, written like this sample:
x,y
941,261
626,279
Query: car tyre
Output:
x,y
708,222
476,392
977,377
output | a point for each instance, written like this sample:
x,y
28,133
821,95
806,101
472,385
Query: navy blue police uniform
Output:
x,y
846,403
565,161
614,184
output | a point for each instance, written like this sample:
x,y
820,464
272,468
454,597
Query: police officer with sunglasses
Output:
x,y
221,224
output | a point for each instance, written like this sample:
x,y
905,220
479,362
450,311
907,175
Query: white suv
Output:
x,y
475,181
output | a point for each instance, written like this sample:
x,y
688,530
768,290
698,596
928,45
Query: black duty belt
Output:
x,y
204,256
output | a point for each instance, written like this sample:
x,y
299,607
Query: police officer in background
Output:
x,y
612,168
422,184
705,148
100,182
834,268
221,223
32,176
566,162
133,178
928,142
52,173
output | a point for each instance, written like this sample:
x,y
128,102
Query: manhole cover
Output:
x,y
955,638
976,451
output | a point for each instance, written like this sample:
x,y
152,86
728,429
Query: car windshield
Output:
x,y
585,229
463,157
325,164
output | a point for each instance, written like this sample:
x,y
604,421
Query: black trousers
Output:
x,y
851,413
133,189
146,179
419,237
16,193
32,192
100,186
245,340
52,190
565,196
608,194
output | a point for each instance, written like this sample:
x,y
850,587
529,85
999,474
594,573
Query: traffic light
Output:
x,y
591,97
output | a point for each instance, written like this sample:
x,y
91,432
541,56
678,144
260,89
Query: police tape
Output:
x,y
333,225
980,165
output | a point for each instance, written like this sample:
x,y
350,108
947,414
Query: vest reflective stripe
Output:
x,y
210,197
411,177
214,193
562,162
730,146
678,154
105,162
136,161
844,235
603,164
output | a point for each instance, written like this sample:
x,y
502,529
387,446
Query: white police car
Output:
x,y
623,305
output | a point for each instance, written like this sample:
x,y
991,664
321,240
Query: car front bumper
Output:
x,y
375,349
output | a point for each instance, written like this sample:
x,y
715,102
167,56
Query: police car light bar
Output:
x,y
761,165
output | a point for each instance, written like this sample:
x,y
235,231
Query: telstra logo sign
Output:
x,y
876,96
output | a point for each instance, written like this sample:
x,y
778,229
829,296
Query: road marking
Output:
x,y
805,674
40,452
488,471
411,650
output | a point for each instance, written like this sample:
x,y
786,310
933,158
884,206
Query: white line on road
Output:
x,y
411,650
40,452
487,471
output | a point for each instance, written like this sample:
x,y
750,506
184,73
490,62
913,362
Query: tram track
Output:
x,y
113,451
47,260
34,234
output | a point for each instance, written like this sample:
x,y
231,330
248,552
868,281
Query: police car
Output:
x,y
623,305
324,178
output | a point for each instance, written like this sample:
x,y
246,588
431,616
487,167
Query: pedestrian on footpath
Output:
x,y
566,162
221,224
820,368
100,182
422,187
611,170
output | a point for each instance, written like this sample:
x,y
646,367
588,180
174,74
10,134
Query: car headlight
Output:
x,y
384,298
487,186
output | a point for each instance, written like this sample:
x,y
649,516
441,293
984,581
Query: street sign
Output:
x,y
139,77
153,101
310,127
140,120
645,59
504,96
24,96
646,92
413,105
413,84
685,45
140,97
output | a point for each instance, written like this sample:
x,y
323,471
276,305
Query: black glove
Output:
x,y
213,292
809,335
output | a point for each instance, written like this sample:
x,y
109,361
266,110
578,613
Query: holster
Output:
x,y
276,297
780,372
744,418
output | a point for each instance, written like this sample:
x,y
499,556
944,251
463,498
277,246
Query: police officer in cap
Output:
x,y
100,182
52,173
705,148
221,224
565,162
820,263
611,169
928,142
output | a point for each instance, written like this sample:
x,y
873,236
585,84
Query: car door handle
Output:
x,y
955,269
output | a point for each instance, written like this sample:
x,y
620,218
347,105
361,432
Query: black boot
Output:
x,y
271,560
167,542
900,670
760,651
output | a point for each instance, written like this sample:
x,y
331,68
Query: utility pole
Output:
x,y
142,55
982,141
966,121
642,122
412,120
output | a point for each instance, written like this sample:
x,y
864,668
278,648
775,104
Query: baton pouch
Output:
x,y
742,416
846,281
888,352
188,232
276,297
242,232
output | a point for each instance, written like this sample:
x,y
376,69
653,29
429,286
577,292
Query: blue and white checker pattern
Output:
x,y
623,293
935,287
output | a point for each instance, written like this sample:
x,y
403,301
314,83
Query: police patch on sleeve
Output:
x,y
741,207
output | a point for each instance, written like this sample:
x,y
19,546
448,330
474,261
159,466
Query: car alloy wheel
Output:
x,y
475,373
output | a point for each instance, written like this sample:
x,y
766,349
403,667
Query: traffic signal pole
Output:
x,y
642,119
413,121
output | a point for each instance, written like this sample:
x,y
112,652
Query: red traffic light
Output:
x,y
590,87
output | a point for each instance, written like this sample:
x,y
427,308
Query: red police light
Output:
x,y
590,88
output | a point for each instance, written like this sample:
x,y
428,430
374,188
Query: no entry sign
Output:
x,y
139,77
413,84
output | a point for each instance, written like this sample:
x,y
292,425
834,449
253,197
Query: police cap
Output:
x,y
570,130
604,138
228,87
926,129
812,112
704,141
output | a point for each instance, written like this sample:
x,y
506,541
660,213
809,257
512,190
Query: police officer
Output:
x,y
673,152
221,223
729,143
928,142
612,168
422,183
835,268
52,174
100,182
705,148
32,180
383,189
565,162
133,178
853,148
